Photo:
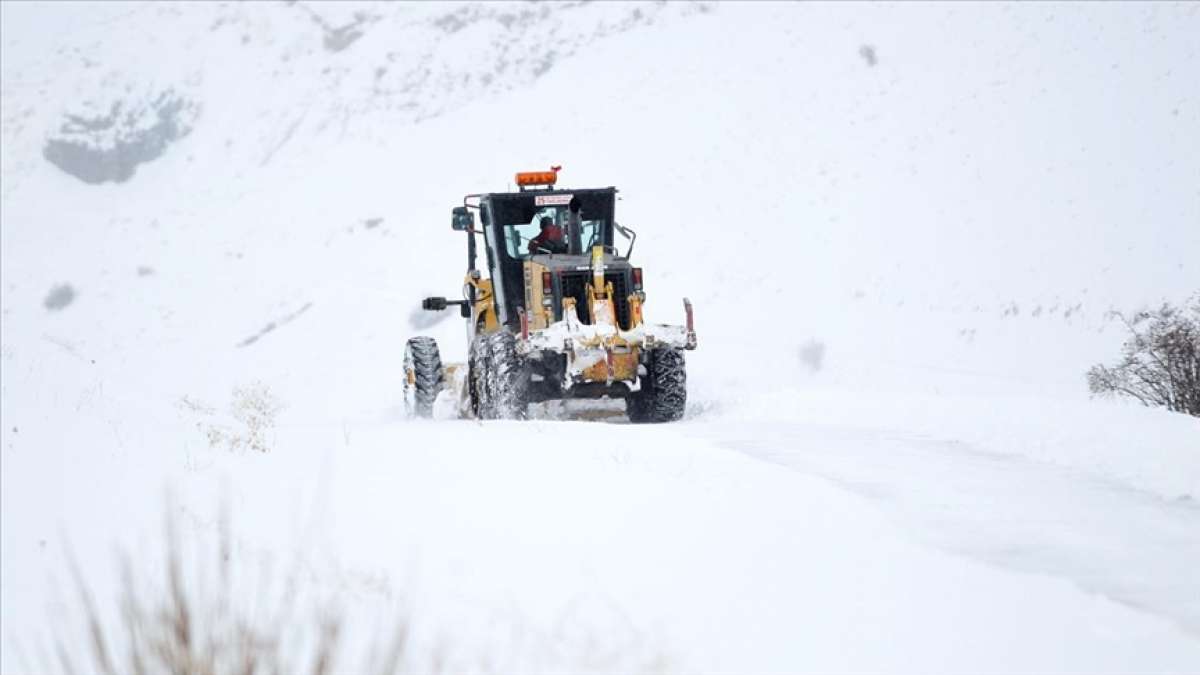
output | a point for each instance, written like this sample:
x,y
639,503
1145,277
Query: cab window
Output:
x,y
518,235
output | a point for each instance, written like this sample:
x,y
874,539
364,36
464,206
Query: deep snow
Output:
x,y
900,272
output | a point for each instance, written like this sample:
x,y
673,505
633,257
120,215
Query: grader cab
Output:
x,y
556,313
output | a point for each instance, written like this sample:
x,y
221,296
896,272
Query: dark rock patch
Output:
x,y
812,355
108,146
272,325
59,297
867,52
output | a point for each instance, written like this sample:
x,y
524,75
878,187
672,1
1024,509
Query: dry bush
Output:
x,y
252,415
1160,362
209,614
256,408
185,624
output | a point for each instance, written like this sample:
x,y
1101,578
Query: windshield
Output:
x,y
519,217
521,239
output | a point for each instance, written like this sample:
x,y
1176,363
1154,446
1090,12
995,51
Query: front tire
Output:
x,y
424,378
508,378
663,396
478,363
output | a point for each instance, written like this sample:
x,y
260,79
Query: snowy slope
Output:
x,y
902,227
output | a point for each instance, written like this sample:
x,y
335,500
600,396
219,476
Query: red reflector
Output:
x,y
637,278
546,281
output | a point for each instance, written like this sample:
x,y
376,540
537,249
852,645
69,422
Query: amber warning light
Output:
x,y
527,178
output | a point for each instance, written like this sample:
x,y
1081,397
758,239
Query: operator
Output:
x,y
551,238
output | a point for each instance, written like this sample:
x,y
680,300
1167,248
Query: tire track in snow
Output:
x,y
1132,546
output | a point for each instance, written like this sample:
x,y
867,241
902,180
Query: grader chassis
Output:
x,y
551,322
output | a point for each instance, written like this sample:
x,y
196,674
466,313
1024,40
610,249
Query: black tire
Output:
x,y
663,396
424,378
508,378
478,362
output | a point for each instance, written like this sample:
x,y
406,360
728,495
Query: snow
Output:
x,y
900,270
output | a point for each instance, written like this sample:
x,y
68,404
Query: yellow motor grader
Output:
x,y
556,314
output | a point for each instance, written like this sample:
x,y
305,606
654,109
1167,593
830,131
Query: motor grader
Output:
x,y
551,319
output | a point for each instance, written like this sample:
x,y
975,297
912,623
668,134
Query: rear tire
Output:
x,y
663,396
508,378
423,376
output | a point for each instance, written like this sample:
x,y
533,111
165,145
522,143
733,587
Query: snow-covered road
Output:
x,y
903,228
1130,545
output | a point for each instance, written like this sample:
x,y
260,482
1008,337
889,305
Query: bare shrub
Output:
x,y
183,622
1160,364
225,610
254,409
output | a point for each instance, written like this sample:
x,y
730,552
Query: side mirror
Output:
x,y
438,304
461,219
628,234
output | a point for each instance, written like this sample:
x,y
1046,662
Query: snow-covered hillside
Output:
x,y
902,226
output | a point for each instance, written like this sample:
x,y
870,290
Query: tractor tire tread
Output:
x,y
663,396
422,355
508,377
